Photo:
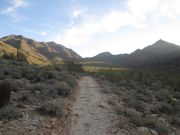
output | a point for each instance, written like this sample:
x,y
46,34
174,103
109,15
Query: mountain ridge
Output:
x,y
40,52
156,54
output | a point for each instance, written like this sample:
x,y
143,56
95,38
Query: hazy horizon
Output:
x,y
92,27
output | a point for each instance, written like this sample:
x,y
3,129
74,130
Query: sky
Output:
x,y
93,26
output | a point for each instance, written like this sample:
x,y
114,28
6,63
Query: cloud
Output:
x,y
12,9
143,9
130,41
15,4
111,22
43,33
138,15
78,12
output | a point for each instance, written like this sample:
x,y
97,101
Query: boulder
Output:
x,y
146,131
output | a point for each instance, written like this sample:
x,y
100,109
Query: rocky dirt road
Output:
x,y
91,115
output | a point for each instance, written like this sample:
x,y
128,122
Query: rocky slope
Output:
x,y
36,52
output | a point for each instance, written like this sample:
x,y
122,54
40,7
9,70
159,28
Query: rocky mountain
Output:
x,y
161,53
36,52
103,56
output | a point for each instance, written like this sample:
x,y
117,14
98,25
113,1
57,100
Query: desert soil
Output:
x,y
91,115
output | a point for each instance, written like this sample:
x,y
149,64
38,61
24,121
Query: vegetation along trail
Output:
x,y
91,115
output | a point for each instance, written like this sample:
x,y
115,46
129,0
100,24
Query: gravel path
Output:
x,y
91,115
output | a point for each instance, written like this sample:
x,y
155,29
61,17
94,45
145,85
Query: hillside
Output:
x,y
161,53
36,52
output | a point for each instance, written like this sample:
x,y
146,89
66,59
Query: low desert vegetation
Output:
x,y
146,98
44,89
53,108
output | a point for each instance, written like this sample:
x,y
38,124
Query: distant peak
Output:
x,y
160,41
51,42
106,53
16,36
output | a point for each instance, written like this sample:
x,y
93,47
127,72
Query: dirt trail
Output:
x,y
91,115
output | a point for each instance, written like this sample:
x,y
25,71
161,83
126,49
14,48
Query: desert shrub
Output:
x,y
71,66
161,128
116,90
16,75
71,81
154,123
28,76
119,110
42,75
18,84
166,108
5,92
133,102
9,113
111,101
164,95
149,121
53,108
28,72
54,89
63,89
144,98
176,121
176,107
23,96
134,116
38,86
66,77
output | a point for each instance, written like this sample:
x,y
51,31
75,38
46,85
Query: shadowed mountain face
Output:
x,y
161,53
37,52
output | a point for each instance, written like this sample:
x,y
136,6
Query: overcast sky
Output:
x,y
93,26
